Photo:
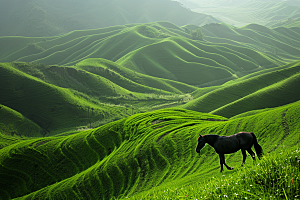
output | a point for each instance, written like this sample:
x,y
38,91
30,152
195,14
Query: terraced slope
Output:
x,y
278,42
134,154
174,58
97,90
90,94
47,105
53,17
268,90
165,50
240,13
289,23
132,80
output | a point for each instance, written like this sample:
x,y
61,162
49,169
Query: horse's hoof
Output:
x,y
230,168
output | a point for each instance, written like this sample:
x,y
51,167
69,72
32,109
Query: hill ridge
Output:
x,y
262,87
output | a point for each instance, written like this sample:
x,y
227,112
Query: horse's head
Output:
x,y
201,143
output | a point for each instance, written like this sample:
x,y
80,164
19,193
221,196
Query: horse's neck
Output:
x,y
211,139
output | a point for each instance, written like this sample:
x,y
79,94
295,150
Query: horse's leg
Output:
x,y
251,153
223,158
221,161
244,156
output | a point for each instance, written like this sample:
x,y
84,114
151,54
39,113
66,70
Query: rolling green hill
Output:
x,y
165,50
122,76
52,17
53,98
277,42
109,73
14,123
136,154
268,90
49,106
289,23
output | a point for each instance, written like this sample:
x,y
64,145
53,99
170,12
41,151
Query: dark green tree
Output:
x,y
197,34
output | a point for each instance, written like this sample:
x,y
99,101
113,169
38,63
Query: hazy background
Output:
x,y
55,17
269,13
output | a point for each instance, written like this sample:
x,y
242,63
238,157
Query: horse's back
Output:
x,y
245,139
227,144
246,135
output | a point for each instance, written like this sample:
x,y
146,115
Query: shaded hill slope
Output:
x,y
14,123
49,106
134,154
267,90
53,17
89,94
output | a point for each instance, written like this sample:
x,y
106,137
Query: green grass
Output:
x,y
164,50
174,57
164,60
278,94
49,106
276,176
255,37
264,90
146,154
122,76
14,123
116,105
115,79
13,44
55,99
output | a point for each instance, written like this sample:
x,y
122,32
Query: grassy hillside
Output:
x,y
115,112
96,91
14,123
273,42
106,74
53,17
240,13
174,58
165,50
146,153
130,79
53,98
289,23
270,89
49,106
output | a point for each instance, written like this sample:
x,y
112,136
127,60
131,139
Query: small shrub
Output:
x,y
35,48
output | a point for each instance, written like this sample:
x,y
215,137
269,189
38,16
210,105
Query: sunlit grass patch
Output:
x,y
276,176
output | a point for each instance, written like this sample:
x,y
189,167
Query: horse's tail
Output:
x,y
257,147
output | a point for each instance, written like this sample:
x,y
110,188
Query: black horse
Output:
x,y
230,144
